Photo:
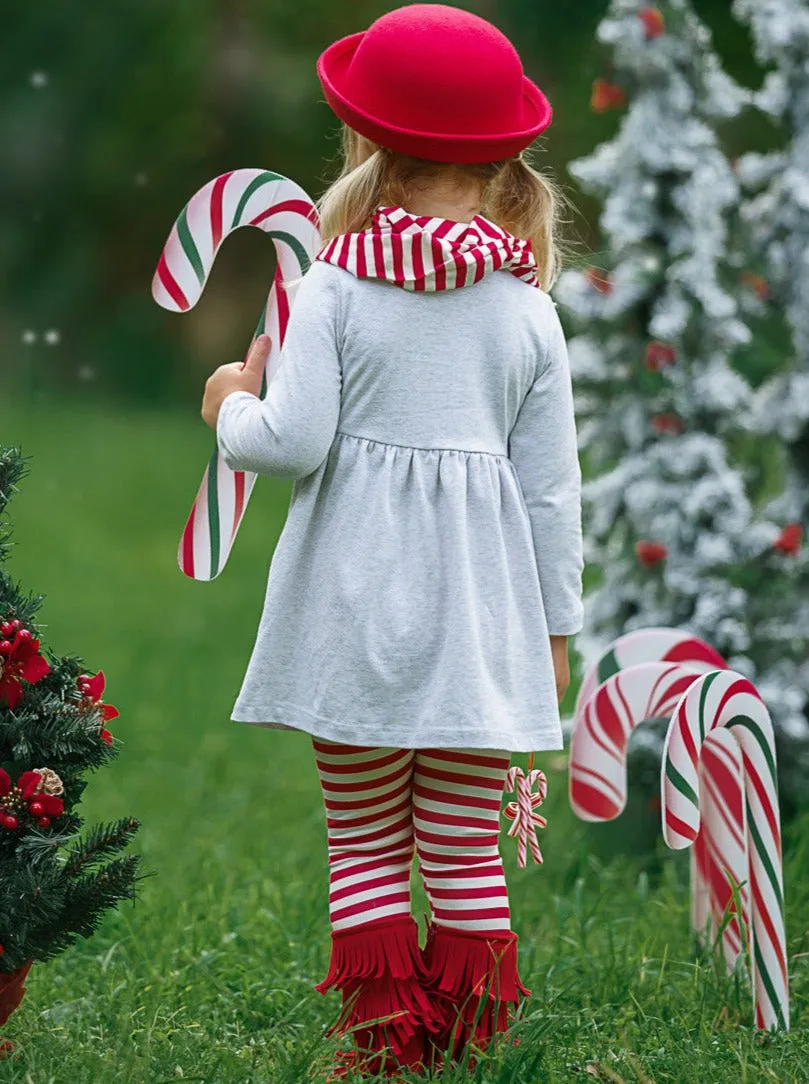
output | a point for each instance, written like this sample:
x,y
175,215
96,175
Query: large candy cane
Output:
x,y
598,789
598,744
598,786
281,208
709,883
724,698
653,644
719,857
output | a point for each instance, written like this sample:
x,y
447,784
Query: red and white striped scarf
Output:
x,y
418,252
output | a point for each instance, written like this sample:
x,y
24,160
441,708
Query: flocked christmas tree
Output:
x,y
655,333
776,211
55,885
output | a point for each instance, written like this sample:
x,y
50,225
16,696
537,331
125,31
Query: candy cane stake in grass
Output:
x,y
281,208
598,783
709,887
598,744
719,857
724,698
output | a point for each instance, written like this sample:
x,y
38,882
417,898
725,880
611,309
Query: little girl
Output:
x,y
429,572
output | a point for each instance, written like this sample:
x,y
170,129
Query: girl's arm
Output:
x,y
561,665
289,433
543,448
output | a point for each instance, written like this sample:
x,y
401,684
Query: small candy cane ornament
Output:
x,y
522,812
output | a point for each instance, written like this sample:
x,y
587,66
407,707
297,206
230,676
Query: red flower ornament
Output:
x,y
757,283
19,661
667,423
653,22
659,355
91,689
606,96
650,553
789,540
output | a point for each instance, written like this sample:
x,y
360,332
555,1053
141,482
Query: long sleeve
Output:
x,y
543,448
288,434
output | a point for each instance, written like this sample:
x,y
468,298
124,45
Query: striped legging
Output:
x,y
383,805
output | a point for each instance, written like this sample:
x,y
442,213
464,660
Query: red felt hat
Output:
x,y
434,82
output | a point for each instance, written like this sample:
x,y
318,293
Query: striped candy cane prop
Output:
x,y
655,644
279,207
719,857
663,644
523,811
598,783
597,766
724,698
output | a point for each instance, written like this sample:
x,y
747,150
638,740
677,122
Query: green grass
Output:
x,y
209,976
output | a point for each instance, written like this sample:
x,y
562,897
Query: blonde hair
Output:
x,y
516,196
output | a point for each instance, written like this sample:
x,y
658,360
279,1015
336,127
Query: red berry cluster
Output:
x,y
8,630
606,95
659,355
23,798
757,283
650,553
653,22
789,540
667,423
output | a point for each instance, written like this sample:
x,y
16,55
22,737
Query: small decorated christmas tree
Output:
x,y
54,885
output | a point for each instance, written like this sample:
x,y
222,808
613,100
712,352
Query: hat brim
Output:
x,y
332,70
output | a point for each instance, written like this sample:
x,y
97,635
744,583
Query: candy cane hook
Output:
x,y
281,208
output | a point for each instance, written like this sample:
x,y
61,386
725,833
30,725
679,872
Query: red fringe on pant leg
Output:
x,y
378,968
474,981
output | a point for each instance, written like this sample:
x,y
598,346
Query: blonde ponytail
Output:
x,y
523,201
515,195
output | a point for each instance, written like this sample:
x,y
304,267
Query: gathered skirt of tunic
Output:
x,y
403,599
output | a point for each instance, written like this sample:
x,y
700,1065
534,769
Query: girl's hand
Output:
x,y
561,665
235,377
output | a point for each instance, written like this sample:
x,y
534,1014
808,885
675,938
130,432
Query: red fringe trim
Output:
x,y
378,969
474,980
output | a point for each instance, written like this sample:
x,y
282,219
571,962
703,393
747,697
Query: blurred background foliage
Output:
x,y
112,115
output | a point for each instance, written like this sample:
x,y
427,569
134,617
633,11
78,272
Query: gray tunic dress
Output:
x,y
433,539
